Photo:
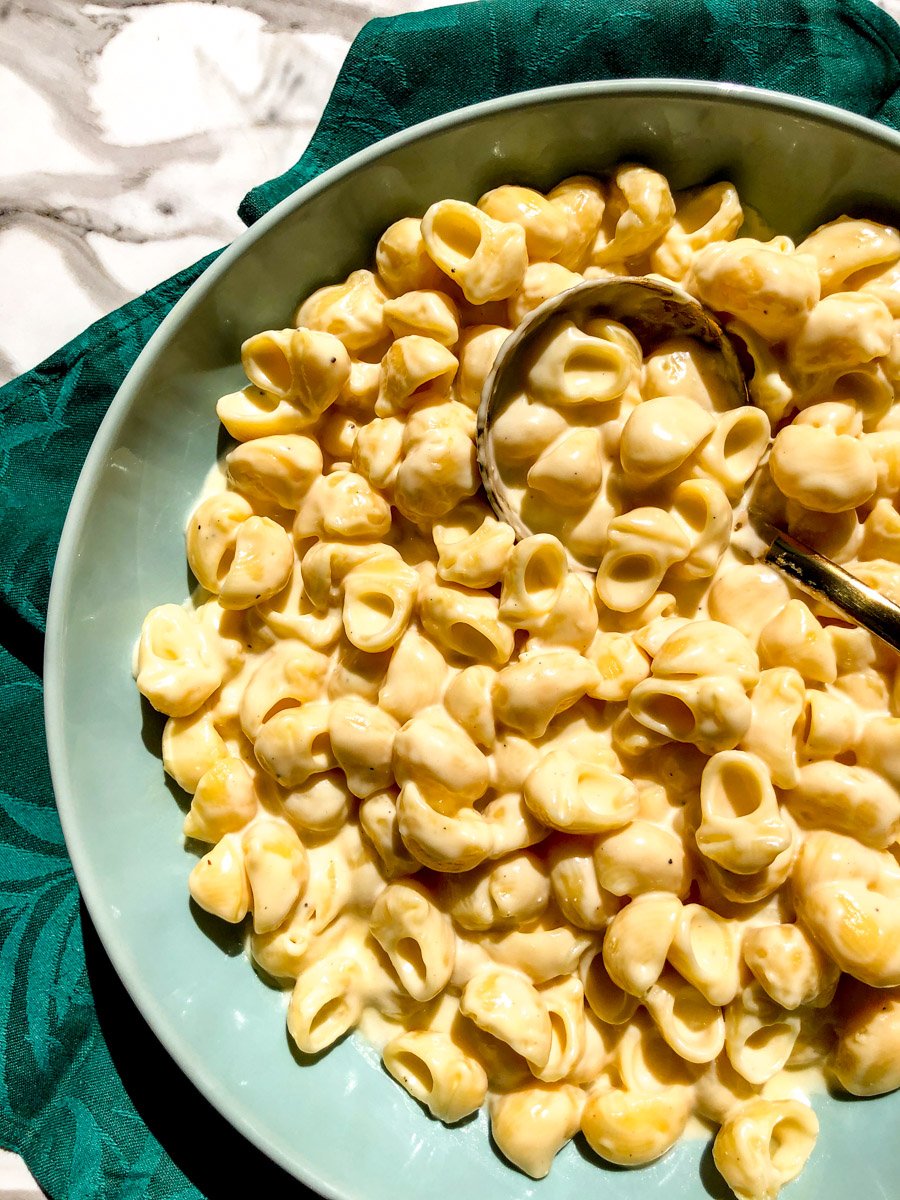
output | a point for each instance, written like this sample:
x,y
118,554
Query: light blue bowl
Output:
x,y
342,1125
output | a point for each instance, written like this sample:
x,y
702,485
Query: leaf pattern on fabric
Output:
x,y
62,1103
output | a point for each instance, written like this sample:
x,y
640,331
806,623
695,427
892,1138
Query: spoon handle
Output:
x,y
824,579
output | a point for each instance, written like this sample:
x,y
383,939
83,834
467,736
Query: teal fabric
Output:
x,y
73,1098
407,69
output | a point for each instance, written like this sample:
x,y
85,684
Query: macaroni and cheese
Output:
x,y
600,852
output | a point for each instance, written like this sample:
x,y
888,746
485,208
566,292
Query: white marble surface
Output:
x,y
129,134
15,1179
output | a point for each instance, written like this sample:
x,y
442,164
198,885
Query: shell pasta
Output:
x,y
597,829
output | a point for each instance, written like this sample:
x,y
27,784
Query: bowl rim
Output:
x,y
89,884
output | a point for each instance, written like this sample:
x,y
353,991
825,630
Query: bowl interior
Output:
x,y
123,552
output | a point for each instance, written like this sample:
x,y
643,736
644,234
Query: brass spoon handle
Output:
x,y
824,579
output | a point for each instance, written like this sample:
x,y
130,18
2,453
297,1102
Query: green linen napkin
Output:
x,y
63,1103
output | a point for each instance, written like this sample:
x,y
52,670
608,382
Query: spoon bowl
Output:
x,y
656,311
653,309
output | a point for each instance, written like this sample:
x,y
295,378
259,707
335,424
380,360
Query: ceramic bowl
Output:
x,y
341,1124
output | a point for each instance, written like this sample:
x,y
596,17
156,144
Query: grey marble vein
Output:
x,y
147,122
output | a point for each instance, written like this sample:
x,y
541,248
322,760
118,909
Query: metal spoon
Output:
x,y
656,311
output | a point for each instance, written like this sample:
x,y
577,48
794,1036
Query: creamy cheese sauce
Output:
x,y
590,852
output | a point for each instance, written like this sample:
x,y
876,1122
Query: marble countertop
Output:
x,y
130,133
138,128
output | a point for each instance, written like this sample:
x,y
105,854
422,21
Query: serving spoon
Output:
x,y
655,312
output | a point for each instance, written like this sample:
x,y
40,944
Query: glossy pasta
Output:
x,y
599,853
